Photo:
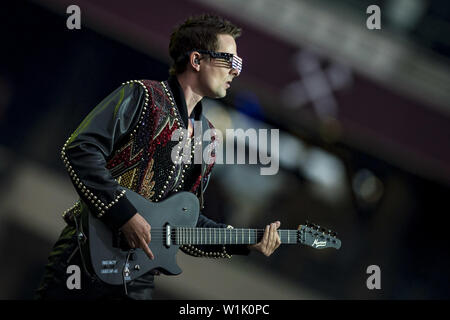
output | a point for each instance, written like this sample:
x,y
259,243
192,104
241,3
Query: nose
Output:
x,y
234,72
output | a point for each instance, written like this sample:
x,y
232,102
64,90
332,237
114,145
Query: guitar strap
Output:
x,y
201,163
203,167
201,186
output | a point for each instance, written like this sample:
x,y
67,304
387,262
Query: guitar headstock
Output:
x,y
317,237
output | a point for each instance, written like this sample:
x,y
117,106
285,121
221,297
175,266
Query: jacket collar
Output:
x,y
180,101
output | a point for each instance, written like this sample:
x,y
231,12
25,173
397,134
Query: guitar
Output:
x,y
173,224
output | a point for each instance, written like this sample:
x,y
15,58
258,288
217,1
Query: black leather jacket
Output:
x,y
125,141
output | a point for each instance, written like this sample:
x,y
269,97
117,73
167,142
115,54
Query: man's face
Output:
x,y
215,74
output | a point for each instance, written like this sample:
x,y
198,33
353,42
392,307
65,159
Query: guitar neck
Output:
x,y
217,236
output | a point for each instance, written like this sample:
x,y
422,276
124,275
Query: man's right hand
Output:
x,y
137,233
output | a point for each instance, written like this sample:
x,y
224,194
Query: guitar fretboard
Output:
x,y
205,236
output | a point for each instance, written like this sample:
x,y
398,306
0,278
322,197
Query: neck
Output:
x,y
204,236
191,95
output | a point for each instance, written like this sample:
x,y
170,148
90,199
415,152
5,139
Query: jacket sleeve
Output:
x,y
86,152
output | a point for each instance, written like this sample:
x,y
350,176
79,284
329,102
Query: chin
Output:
x,y
222,93
218,95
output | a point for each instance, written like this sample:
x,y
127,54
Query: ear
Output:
x,y
194,60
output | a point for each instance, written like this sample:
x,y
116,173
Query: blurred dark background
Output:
x,y
364,123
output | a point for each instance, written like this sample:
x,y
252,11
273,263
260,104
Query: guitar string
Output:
x,y
233,232
194,229
204,235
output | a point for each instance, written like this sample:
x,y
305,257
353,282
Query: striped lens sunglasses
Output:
x,y
232,60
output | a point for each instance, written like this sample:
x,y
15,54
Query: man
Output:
x,y
126,141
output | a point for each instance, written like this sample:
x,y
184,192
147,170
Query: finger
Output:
x,y
278,242
147,236
132,241
147,250
272,237
266,241
265,238
276,237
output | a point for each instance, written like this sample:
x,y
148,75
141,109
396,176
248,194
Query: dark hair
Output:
x,y
197,32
